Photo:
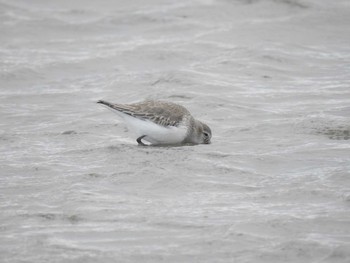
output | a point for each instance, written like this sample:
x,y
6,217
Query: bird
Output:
x,y
161,123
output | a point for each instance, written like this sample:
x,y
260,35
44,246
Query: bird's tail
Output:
x,y
106,103
118,108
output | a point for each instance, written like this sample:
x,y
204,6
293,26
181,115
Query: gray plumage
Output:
x,y
159,112
178,124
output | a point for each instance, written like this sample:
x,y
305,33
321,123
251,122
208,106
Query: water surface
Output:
x,y
271,78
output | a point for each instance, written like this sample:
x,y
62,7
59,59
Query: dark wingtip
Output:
x,y
106,103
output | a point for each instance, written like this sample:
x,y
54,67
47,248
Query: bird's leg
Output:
x,y
139,140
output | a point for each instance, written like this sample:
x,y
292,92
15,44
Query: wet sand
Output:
x,y
271,78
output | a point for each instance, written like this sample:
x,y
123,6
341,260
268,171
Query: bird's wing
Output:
x,y
164,114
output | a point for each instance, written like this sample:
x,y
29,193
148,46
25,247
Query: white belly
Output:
x,y
155,134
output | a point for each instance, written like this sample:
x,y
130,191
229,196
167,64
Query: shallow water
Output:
x,y
271,78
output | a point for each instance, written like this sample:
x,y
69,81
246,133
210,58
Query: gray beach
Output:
x,y
270,77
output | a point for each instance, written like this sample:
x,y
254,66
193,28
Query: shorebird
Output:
x,y
161,123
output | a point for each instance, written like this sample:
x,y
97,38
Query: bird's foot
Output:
x,y
140,142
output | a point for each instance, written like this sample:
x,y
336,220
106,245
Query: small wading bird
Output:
x,y
161,123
